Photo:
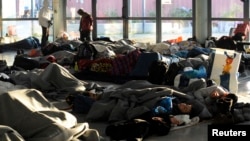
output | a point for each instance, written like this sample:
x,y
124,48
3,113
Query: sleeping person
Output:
x,y
211,95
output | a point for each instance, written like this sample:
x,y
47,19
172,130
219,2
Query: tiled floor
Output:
x,y
195,133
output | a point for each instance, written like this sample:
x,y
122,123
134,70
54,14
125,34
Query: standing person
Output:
x,y
86,25
45,22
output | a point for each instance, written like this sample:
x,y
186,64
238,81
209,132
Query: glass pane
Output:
x,y
222,28
22,8
227,9
177,8
176,28
73,28
142,31
109,8
19,30
142,8
110,28
73,5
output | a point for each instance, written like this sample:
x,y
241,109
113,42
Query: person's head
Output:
x,y
91,95
45,3
233,96
190,107
65,36
80,11
218,92
184,108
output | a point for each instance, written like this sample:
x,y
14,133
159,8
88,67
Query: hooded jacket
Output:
x,y
45,14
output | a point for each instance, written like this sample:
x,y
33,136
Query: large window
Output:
x,y
142,26
177,19
19,19
139,20
226,14
134,19
109,19
142,8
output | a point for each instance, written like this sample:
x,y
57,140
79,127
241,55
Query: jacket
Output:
x,y
86,23
44,16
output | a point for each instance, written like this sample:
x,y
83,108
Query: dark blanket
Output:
x,y
241,112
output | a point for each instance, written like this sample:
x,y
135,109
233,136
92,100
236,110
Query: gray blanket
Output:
x,y
29,113
130,100
54,78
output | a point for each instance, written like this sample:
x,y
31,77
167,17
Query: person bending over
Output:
x,y
85,26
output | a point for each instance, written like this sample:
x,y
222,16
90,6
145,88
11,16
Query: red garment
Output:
x,y
86,23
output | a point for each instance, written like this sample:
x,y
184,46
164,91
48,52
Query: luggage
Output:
x,y
86,51
29,63
157,71
143,63
25,63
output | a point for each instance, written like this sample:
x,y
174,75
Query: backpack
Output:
x,y
157,71
226,42
3,65
26,63
174,69
86,51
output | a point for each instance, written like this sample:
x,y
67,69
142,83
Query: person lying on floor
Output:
x,y
53,79
169,109
133,99
155,122
212,95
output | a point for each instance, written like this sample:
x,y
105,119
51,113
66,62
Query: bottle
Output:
x,y
76,67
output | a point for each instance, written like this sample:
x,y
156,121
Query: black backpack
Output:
x,y
174,69
86,51
157,71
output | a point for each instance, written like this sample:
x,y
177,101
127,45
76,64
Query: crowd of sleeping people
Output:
x,y
58,79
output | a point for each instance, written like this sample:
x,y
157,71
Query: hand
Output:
x,y
215,94
174,121
50,23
